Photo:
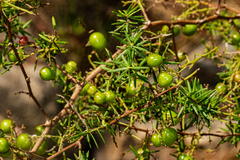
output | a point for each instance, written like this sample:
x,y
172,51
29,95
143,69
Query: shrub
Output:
x,y
125,74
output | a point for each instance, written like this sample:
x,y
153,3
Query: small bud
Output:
x,y
23,41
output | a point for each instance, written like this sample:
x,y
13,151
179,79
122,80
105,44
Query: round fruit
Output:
x,y
85,88
42,149
189,29
171,117
24,141
181,56
154,60
176,30
12,57
236,138
110,96
165,79
169,136
6,154
74,117
4,146
23,41
97,40
156,140
99,98
46,74
71,66
235,39
20,52
181,156
165,29
92,90
131,89
236,78
39,130
140,151
220,87
6,125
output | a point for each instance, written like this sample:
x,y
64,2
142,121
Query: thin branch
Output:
x,y
143,10
209,134
22,92
218,7
79,85
27,79
79,88
66,110
154,4
127,112
22,13
230,9
65,149
74,109
200,21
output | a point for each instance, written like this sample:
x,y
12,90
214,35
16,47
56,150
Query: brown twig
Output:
x,y
154,4
74,109
79,85
67,108
127,112
200,21
22,13
79,88
144,106
209,134
218,7
230,9
65,149
27,79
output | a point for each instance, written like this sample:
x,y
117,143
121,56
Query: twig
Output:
x,y
154,4
74,109
22,13
66,108
218,7
22,92
209,134
127,112
27,79
79,88
200,21
143,10
64,149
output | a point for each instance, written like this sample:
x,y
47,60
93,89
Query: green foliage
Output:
x,y
199,102
135,89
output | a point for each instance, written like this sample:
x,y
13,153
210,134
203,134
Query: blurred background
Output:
x,y
97,15
70,17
